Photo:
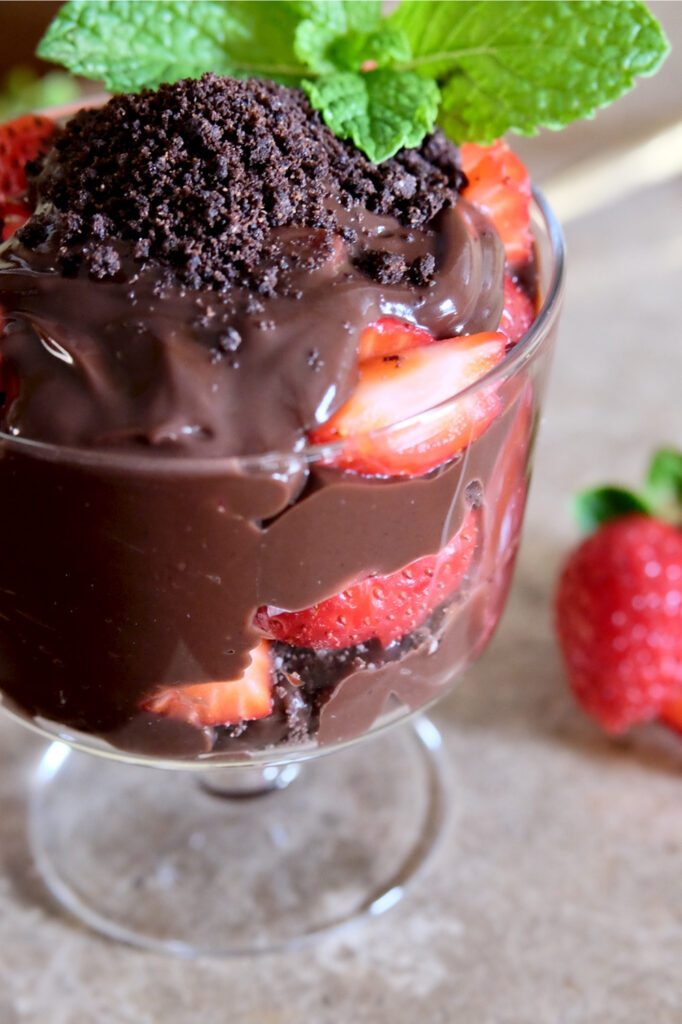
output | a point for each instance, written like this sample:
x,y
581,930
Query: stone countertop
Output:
x,y
556,894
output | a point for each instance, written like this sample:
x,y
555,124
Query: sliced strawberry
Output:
x,y
396,387
21,140
499,185
518,313
385,607
389,336
220,703
12,216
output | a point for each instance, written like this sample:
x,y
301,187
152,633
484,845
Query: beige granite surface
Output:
x,y
555,895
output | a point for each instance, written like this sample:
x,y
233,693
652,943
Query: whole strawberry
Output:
x,y
619,603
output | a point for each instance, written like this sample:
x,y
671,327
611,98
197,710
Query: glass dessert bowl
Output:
x,y
139,586
216,610
267,450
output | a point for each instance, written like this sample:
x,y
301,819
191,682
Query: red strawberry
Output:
x,y
518,313
385,607
21,140
671,714
499,185
220,703
12,216
619,620
389,336
396,387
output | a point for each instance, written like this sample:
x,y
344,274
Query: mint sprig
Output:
x,y
480,67
381,111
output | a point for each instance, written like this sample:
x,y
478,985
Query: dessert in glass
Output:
x,y
268,421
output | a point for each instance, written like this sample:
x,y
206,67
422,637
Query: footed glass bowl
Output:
x,y
218,617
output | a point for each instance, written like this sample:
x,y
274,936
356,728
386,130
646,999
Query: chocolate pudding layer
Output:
x,y
184,307
203,260
121,364
126,574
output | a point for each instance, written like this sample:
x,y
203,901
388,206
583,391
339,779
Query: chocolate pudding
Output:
x,y
182,312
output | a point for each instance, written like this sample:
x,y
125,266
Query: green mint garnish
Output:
x,y
381,111
352,51
524,65
478,67
130,45
22,91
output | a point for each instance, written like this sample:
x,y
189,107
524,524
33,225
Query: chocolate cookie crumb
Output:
x,y
196,176
384,267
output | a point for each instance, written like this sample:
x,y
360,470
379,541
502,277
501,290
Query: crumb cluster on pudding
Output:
x,y
266,445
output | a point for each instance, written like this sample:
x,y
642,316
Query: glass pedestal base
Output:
x,y
212,863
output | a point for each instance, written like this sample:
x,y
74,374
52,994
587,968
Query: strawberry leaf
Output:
x,y
597,505
664,484
381,111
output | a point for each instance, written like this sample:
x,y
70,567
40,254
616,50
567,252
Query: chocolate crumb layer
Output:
x,y
197,176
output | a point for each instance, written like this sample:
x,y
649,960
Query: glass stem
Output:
x,y
248,781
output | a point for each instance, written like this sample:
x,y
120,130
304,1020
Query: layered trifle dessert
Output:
x,y
266,422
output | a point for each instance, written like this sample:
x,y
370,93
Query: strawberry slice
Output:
x,y
12,216
21,140
389,336
395,387
518,313
220,703
385,607
499,185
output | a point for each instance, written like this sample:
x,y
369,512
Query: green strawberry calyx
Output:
x,y
661,496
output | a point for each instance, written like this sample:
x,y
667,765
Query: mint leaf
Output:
x,y
311,44
323,50
130,45
524,64
664,484
383,48
381,111
341,16
23,91
593,507
335,42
